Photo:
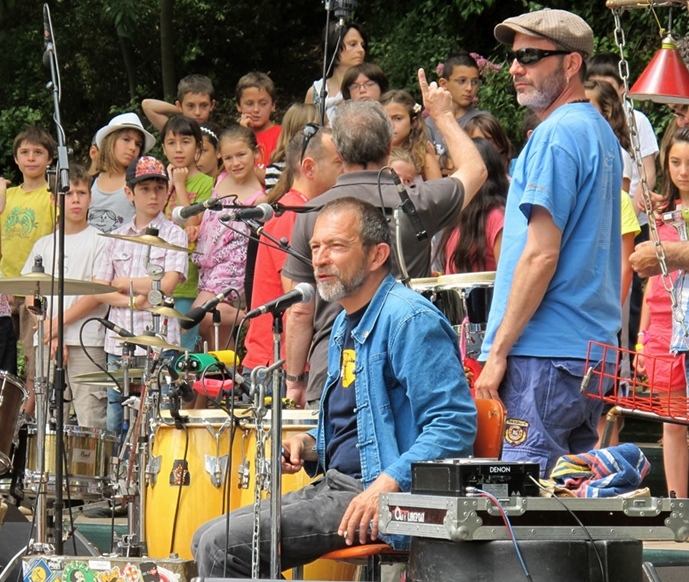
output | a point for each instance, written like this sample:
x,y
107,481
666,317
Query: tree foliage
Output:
x,y
111,56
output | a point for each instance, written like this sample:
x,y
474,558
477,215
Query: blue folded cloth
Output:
x,y
602,472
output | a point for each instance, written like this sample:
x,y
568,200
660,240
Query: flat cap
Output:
x,y
560,26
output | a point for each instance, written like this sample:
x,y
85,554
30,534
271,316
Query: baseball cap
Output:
x,y
145,168
566,29
125,121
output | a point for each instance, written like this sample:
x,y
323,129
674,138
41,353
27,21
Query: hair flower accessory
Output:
x,y
416,108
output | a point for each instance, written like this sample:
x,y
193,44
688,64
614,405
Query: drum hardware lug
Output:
x,y
152,469
244,472
216,467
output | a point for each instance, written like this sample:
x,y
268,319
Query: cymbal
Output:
x,y
150,240
26,285
102,379
152,341
169,312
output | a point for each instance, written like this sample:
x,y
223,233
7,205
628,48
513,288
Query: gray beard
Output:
x,y
339,290
543,99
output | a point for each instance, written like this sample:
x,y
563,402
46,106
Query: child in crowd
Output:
x,y
474,244
484,125
364,81
409,133
83,254
255,95
345,48
27,216
124,266
402,162
460,75
655,326
195,99
222,251
182,144
209,161
124,139
297,116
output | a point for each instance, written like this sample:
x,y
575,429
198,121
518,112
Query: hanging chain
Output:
x,y
677,313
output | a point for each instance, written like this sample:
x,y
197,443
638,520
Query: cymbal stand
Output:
x,y
41,391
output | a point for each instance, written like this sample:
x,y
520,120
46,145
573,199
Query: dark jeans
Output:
x,y
310,517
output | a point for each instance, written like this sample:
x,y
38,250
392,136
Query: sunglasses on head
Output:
x,y
310,129
531,56
680,110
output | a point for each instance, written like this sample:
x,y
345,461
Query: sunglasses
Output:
x,y
680,111
310,129
531,56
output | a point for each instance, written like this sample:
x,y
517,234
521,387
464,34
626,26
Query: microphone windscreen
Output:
x,y
195,315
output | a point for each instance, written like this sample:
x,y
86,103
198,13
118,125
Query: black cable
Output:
x,y
603,571
387,219
180,486
83,347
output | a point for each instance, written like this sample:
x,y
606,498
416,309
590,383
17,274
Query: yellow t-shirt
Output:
x,y
630,223
27,217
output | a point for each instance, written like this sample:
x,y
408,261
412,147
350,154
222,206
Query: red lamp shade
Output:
x,y
665,79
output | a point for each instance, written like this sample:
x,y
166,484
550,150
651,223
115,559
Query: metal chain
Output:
x,y
677,313
261,435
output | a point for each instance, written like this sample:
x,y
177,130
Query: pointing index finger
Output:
x,y
423,83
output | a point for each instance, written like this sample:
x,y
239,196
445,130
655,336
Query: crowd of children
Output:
x,y
246,164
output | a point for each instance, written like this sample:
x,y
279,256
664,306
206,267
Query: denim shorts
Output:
x,y
547,414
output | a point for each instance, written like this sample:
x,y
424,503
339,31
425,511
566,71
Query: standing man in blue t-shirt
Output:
x,y
558,280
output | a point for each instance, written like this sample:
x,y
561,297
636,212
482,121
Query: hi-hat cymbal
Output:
x,y
151,341
102,379
26,285
169,312
150,240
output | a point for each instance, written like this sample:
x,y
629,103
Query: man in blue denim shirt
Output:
x,y
395,394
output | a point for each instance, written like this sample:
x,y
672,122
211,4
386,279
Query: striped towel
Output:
x,y
602,472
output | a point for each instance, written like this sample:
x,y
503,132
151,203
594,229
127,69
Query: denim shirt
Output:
x,y
413,401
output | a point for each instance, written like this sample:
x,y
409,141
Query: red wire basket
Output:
x,y
642,396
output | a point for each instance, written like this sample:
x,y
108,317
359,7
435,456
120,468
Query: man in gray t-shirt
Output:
x,y
362,134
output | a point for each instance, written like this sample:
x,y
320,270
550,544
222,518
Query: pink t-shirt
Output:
x,y
663,375
494,224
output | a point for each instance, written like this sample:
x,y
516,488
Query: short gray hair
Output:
x,y
362,132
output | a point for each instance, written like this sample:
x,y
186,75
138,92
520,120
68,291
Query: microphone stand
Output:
x,y
276,450
62,186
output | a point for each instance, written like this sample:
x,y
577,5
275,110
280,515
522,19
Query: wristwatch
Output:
x,y
300,378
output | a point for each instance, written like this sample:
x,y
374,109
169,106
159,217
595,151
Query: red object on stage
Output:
x,y
665,79
641,396
212,387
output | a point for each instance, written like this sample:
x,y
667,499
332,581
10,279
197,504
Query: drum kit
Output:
x,y
174,469
465,299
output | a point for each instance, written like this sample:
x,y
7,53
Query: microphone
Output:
x,y
198,313
47,36
180,387
180,214
408,207
261,212
302,293
116,328
343,10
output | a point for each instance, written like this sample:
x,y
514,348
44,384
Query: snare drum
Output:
x,y
191,487
88,453
13,394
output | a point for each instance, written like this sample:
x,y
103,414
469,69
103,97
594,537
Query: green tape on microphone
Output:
x,y
194,362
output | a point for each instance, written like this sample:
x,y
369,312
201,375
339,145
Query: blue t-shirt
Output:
x,y
342,453
572,167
